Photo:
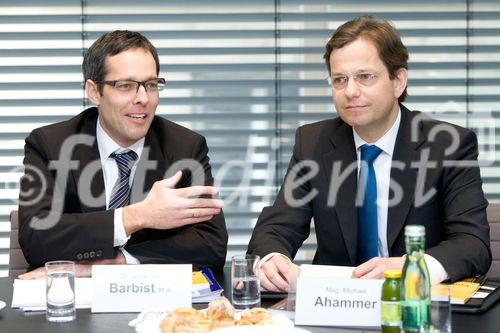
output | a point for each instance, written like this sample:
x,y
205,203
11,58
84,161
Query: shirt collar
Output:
x,y
386,142
107,145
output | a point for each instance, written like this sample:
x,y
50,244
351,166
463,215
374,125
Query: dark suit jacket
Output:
x,y
454,216
86,232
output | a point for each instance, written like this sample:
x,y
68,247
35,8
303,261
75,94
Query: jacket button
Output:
x,y
86,255
98,253
79,256
92,254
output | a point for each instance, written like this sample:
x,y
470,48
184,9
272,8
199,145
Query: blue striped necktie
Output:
x,y
120,196
367,213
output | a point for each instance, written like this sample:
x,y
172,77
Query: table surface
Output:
x,y
13,320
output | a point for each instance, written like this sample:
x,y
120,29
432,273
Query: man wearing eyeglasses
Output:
x,y
113,185
377,167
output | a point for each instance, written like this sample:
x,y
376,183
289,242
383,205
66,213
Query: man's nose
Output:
x,y
142,95
352,88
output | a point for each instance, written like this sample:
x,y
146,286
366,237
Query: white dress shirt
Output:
x,y
382,166
110,173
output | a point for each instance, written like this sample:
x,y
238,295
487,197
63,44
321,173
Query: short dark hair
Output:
x,y
110,44
382,34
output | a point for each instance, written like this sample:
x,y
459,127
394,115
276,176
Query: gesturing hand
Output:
x,y
166,207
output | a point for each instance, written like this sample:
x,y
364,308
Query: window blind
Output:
x,y
245,75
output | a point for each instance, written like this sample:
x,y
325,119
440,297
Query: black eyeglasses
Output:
x,y
132,86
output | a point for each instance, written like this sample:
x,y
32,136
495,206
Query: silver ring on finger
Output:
x,y
193,213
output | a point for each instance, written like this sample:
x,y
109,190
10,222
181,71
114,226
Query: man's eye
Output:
x,y
123,85
151,85
340,80
366,76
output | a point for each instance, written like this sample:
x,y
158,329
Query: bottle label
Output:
x,y
415,315
391,313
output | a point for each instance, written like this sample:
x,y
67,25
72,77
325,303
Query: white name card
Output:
x,y
136,288
324,301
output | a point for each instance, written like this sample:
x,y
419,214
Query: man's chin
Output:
x,y
354,120
134,136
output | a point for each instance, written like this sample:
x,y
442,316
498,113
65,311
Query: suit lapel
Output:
x,y
406,150
344,152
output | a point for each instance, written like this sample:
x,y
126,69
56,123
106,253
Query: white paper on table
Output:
x,y
487,287
480,294
326,271
207,298
29,295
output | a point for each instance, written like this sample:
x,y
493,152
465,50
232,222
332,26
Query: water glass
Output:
x,y
60,291
440,309
245,281
292,293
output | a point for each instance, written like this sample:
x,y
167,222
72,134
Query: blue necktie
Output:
x,y
367,213
120,196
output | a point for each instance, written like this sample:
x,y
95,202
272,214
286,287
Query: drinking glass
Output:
x,y
292,293
60,291
245,281
440,308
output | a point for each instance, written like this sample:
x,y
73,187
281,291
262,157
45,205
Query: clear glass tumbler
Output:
x,y
440,308
245,281
60,291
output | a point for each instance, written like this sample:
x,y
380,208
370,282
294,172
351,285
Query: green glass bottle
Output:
x,y
390,305
415,283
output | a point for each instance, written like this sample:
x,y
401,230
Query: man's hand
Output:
x,y
82,268
166,207
375,267
278,274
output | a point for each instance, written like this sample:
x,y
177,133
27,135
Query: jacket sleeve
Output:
x,y
465,247
51,224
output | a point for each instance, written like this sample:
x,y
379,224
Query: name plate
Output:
x,y
338,302
136,288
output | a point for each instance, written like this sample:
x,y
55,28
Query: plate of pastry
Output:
x,y
260,329
219,317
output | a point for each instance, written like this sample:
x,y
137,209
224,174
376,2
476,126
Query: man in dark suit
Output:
x,y
94,188
423,171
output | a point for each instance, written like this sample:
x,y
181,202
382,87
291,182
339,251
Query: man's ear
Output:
x,y
400,82
92,91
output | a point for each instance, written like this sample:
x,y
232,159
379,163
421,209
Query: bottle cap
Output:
x,y
415,230
392,273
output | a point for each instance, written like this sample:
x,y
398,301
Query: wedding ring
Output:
x,y
193,211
